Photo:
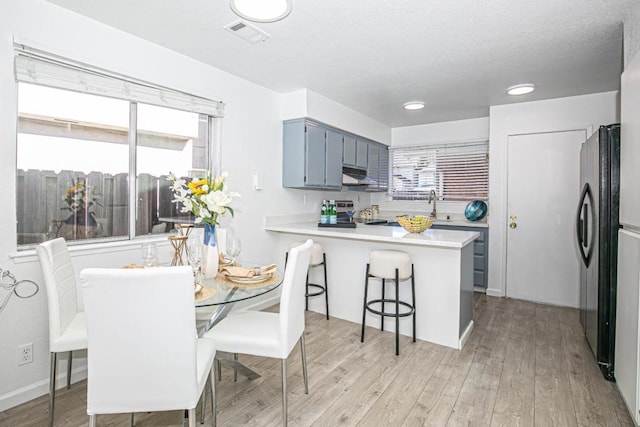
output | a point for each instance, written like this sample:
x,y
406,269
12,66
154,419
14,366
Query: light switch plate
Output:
x,y
258,182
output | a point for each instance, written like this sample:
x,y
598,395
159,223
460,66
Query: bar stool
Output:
x,y
396,266
318,258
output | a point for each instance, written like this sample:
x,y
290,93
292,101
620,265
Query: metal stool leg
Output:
x,y
326,285
382,317
413,301
306,292
397,313
364,305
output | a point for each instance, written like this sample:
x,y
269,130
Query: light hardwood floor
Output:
x,y
525,365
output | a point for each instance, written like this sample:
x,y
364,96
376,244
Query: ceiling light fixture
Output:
x,y
413,105
261,10
522,89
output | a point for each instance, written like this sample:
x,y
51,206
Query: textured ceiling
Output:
x,y
373,55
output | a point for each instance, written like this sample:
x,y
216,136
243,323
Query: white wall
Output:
x,y
251,139
306,103
579,112
631,34
434,133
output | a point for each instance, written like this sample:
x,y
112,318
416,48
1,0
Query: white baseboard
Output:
x,y
37,389
465,335
494,293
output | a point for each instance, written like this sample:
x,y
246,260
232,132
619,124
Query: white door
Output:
x,y
543,190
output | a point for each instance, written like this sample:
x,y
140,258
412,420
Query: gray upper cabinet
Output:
x,y
378,167
312,156
314,164
334,159
354,151
361,153
349,150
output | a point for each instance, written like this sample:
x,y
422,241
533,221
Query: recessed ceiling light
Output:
x,y
413,105
262,10
522,89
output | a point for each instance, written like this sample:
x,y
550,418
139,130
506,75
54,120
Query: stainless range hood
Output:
x,y
355,176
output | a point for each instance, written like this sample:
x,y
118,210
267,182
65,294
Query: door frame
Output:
x,y
571,219
498,219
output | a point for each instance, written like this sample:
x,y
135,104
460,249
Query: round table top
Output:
x,y
227,292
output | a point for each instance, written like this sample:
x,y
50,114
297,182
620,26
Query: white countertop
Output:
x,y
379,233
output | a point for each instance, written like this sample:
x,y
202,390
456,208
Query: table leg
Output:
x,y
227,360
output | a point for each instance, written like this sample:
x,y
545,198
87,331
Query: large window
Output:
x,y
78,146
455,172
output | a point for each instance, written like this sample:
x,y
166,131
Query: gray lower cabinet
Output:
x,y
480,252
312,156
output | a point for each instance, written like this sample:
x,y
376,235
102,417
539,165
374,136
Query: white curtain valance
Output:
x,y
37,67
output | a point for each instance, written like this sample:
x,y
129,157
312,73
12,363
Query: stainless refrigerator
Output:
x,y
597,224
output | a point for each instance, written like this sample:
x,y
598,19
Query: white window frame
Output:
x,y
34,66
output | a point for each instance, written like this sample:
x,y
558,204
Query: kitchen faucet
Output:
x,y
433,195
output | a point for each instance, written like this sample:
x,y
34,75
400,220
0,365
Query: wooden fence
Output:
x,y
41,206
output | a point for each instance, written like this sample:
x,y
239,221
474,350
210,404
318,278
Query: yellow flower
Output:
x,y
197,186
73,189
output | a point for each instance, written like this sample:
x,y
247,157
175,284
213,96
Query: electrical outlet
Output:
x,y
25,354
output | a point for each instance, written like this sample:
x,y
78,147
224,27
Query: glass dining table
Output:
x,y
220,294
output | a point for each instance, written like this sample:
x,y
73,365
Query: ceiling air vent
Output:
x,y
246,31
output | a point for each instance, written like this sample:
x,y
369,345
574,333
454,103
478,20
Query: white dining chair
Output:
x,y
272,334
67,327
144,354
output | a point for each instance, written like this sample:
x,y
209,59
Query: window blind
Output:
x,y
455,171
37,67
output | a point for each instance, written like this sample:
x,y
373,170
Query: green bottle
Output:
x,y
324,213
333,213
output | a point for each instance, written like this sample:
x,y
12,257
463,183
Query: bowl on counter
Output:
x,y
415,224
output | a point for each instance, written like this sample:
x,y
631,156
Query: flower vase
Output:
x,y
211,251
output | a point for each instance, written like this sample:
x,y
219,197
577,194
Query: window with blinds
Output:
x,y
94,149
455,171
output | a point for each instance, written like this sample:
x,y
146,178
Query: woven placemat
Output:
x,y
205,293
274,279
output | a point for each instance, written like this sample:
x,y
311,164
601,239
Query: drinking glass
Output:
x,y
233,247
196,253
350,215
149,254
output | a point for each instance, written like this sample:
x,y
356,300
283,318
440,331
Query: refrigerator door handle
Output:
x,y
583,224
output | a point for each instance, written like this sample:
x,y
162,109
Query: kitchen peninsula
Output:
x,y
443,268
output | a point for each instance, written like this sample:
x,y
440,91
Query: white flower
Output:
x,y
205,198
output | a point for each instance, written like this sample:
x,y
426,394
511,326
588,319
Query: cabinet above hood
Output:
x,y
355,176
